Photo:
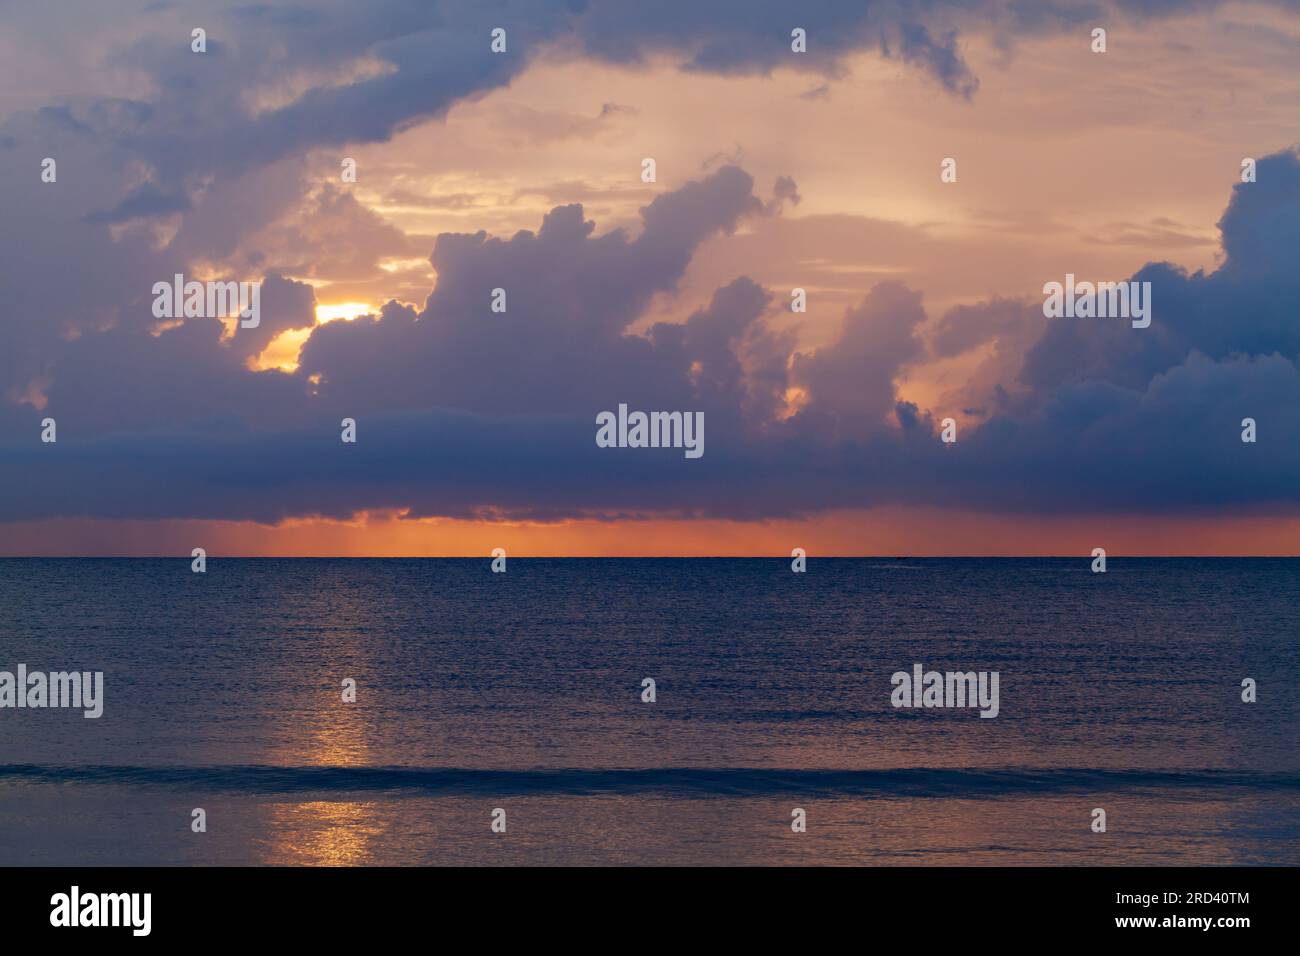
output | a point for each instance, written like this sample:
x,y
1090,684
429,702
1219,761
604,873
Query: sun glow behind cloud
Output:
x,y
346,311
282,352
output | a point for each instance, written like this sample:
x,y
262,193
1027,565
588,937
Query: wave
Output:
x,y
673,781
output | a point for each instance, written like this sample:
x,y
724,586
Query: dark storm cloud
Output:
x,y
465,412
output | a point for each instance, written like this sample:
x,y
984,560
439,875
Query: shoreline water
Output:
x,y
523,691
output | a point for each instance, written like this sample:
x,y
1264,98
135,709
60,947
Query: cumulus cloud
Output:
x,y
465,412
850,383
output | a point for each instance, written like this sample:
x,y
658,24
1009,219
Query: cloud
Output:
x,y
171,160
560,344
464,411
146,200
851,382
468,413
1245,307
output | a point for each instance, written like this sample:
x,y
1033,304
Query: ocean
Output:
x,y
523,693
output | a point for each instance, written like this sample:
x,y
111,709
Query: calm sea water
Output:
x,y
523,691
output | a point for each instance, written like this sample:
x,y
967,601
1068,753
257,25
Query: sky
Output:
x,y
774,170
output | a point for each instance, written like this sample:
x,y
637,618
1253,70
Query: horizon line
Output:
x,y
623,557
